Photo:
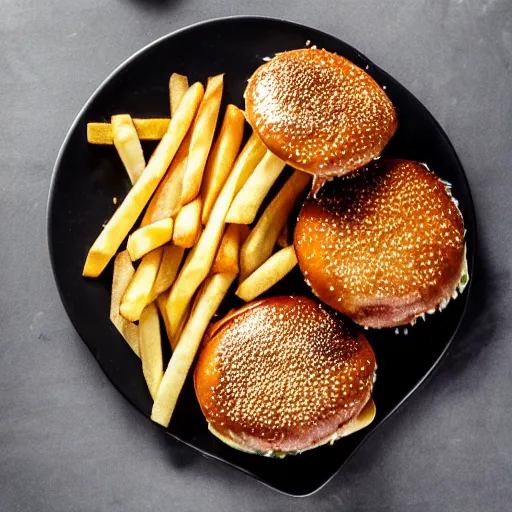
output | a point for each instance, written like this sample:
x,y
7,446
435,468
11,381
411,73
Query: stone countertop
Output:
x,y
70,442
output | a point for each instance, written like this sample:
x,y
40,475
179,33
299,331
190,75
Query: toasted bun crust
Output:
x,y
319,112
283,374
365,418
384,245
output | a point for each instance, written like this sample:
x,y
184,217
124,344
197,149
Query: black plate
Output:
x,y
86,178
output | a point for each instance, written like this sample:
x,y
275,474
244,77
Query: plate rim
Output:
x,y
470,255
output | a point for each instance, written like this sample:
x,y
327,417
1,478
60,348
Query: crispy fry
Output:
x,y
222,158
205,306
166,202
226,260
188,224
147,129
123,274
135,299
283,239
200,259
151,348
202,137
128,145
161,302
247,161
178,85
248,201
175,340
168,270
260,243
268,274
145,239
125,216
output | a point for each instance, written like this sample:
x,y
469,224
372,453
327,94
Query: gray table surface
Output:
x,y
70,442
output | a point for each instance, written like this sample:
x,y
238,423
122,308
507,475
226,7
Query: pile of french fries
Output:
x,y
200,231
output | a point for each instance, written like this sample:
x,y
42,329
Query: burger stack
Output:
x,y
379,242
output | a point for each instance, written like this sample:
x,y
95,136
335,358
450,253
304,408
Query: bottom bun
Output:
x,y
365,418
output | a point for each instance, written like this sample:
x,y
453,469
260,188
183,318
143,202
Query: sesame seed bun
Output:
x,y
384,245
364,418
283,375
319,112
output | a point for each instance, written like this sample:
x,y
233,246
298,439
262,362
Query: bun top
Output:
x,y
319,112
382,245
283,373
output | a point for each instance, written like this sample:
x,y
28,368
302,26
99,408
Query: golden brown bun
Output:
x,y
365,418
319,112
283,374
384,245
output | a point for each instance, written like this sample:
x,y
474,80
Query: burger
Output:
x,y
283,375
384,245
319,112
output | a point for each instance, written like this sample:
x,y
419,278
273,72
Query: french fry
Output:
x,y
202,137
144,240
123,274
178,86
260,243
188,224
205,306
283,239
161,302
168,270
248,201
175,339
268,274
126,215
226,259
136,296
200,258
147,129
222,157
151,348
127,143
166,202
247,161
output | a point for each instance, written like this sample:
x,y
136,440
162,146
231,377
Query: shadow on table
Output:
x,y
179,454
482,316
154,4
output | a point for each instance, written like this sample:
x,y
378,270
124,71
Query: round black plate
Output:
x,y
86,178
